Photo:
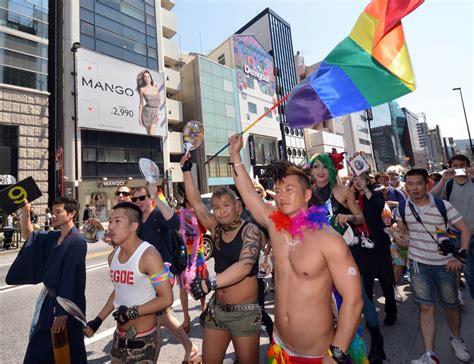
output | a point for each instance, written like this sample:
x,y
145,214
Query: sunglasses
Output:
x,y
141,198
122,193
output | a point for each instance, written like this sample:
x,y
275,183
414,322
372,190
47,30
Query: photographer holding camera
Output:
x,y
457,187
422,224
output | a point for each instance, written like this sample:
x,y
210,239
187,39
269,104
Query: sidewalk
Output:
x,y
403,341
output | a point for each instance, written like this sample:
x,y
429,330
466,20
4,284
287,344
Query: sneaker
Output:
x,y
426,358
398,296
460,350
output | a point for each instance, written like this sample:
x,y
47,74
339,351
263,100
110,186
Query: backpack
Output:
x,y
439,205
449,188
179,257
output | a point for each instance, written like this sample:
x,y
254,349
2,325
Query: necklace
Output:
x,y
312,218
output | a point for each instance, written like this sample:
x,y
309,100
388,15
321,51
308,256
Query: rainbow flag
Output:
x,y
369,67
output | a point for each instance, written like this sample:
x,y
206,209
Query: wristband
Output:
x,y
337,354
211,283
95,324
187,165
133,313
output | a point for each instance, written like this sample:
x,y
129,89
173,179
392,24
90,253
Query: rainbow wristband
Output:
x,y
159,278
162,197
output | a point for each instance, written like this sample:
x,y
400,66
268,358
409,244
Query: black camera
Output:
x,y
446,247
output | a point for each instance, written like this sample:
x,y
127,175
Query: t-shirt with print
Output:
x,y
421,247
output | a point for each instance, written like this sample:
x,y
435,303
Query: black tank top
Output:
x,y
229,253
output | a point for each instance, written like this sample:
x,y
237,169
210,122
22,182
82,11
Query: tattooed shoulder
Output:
x,y
251,244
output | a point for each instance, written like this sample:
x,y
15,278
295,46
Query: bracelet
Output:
x,y
133,313
337,354
211,283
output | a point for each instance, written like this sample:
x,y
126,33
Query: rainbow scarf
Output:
x,y
369,67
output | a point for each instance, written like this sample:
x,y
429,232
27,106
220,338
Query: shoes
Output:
x,y
398,296
390,319
460,350
377,353
426,358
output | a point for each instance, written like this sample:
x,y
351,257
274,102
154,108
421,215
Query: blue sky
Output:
x,y
439,35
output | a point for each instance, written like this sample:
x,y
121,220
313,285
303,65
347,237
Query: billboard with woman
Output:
x,y
119,96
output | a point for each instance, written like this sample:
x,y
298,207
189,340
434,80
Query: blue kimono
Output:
x,y
62,269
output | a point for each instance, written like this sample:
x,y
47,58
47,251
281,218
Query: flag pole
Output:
x,y
249,127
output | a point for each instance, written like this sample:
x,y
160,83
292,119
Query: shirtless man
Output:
x,y
305,273
141,289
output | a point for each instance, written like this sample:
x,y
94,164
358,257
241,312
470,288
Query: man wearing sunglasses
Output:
x,y
123,194
156,229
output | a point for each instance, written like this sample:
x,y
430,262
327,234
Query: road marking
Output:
x,y
89,256
108,332
8,288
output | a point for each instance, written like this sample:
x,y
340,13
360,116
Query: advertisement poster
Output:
x,y
114,95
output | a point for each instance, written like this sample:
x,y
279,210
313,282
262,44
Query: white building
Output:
x,y
256,89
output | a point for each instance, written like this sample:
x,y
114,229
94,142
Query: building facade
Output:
x,y
24,95
110,117
256,86
274,34
209,94
437,148
357,136
385,138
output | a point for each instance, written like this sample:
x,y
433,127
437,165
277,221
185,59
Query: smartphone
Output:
x,y
460,172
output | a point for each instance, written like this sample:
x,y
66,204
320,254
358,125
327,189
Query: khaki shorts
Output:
x,y
141,349
238,320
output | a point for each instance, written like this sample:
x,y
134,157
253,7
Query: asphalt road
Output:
x,y
402,341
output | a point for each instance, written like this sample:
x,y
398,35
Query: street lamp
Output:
x,y
465,116
74,48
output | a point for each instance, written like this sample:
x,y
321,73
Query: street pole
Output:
x,y
465,117
74,48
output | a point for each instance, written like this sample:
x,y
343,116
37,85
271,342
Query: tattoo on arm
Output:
x,y
251,244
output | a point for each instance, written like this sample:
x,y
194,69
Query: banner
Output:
x,y
118,96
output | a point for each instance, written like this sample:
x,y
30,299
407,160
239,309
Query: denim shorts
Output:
x,y
427,281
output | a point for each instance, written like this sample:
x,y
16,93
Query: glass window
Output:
x,y
269,115
108,49
229,98
219,108
24,24
228,86
252,108
153,64
217,82
133,23
150,20
150,9
135,58
219,167
87,42
109,24
230,111
251,83
265,149
132,11
227,74
23,78
205,65
206,79
15,43
88,4
216,70
87,15
150,30
20,60
87,28
221,59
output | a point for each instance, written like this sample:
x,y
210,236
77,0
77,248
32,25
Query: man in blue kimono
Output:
x,y
56,259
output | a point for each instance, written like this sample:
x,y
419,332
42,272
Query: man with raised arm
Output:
x,y
310,258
